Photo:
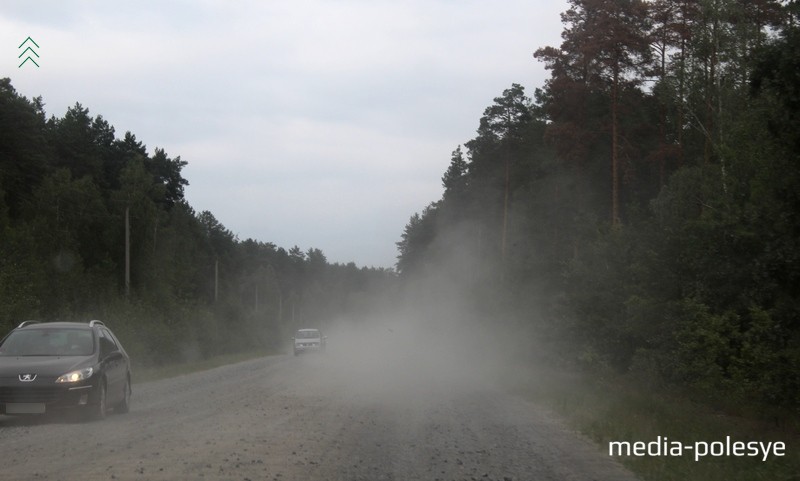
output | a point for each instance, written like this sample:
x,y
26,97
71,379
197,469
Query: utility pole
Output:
x,y
216,279
127,253
506,188
505,211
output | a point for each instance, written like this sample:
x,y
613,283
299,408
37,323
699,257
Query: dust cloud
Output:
x,y
434,338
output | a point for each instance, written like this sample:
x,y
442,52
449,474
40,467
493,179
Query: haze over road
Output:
x,y
335,416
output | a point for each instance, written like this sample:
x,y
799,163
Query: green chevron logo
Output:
x,y
29,49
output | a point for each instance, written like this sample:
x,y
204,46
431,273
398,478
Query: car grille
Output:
x,y
29,394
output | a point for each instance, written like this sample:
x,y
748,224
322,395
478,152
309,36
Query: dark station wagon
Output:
x,y
52,366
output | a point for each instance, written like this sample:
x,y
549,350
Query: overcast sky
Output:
x,y
315,123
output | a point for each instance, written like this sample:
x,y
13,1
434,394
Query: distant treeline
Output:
x,y
195,289
641,214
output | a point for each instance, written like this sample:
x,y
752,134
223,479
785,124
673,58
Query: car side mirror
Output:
x,y
113,355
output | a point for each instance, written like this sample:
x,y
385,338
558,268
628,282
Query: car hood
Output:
x,y
13,366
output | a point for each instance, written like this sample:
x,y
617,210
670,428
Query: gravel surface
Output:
x,y
314,417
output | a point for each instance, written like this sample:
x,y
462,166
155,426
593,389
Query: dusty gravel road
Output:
x,y
316,417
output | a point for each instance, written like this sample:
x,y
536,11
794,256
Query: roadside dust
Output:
x,y
390,402
411,395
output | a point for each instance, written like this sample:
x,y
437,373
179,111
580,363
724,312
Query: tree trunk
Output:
x,y
614,153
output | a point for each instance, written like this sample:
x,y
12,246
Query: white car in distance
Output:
x,y
306,340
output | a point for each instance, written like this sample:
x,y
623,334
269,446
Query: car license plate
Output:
x,y
24,408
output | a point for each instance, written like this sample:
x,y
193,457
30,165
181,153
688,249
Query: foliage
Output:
x,y
196,290
643,213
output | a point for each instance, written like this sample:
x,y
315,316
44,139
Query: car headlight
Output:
x,y
76,376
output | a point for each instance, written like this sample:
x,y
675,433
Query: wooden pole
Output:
x,y
127,252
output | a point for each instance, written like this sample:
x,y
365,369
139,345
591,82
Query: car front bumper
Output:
x,y
308,346
43,398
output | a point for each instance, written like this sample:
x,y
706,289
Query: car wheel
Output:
x,y
97,411
125,405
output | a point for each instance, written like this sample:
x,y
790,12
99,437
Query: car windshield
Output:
x,y
48,342
307,334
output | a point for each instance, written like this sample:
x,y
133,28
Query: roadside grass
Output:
x,y
617,410
153,373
